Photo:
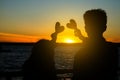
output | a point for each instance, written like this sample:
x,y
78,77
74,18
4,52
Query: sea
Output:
x,y
13,56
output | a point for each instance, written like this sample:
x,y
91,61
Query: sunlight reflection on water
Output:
x,y
64,56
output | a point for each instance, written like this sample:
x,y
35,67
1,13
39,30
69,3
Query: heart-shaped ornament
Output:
x,y
58,27
72,24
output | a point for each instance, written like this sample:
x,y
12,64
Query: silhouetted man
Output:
x,y
97,59
41,64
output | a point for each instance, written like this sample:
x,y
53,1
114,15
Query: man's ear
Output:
x,y
105,28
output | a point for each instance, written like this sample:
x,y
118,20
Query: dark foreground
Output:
x,y
13,55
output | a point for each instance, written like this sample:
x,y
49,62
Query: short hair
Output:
x,y
95,17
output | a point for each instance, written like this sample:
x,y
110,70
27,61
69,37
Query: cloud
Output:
x,y
115,39
8,37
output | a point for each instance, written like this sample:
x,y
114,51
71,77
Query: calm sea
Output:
x,y
12,56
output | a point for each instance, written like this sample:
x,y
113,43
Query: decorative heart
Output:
x,y
72,24
58,27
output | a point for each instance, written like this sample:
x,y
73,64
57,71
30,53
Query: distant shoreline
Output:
x,y
32,43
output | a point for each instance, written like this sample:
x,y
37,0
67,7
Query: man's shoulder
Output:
x,y
114,47
113,44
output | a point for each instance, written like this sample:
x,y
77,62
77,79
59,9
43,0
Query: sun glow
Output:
x,y
69,41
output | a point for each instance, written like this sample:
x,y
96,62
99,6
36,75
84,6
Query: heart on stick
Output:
x,y
72,24
58,27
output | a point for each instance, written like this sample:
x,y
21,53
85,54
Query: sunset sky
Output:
x,y
31,20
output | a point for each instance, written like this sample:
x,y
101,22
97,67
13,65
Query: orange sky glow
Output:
x,y
32,20
6,37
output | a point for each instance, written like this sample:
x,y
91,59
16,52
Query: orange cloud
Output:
x,y
117,39
8,37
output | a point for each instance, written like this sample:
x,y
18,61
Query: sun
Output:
x,y
69,41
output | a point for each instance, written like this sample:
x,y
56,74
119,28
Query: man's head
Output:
x,y
95,22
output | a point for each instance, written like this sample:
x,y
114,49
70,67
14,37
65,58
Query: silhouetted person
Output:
x,y
97,59
41,65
